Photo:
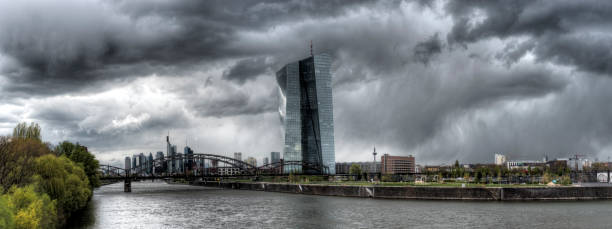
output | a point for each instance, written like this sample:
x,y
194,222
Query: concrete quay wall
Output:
x,y
429,193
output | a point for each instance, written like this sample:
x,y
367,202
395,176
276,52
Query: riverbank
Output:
x,y
425,193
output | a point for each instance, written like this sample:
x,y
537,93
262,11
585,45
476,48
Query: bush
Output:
x,y
6,213
566,180
30,209
546,178
63,181
386,178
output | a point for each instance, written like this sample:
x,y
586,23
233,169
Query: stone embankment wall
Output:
x,y
431,193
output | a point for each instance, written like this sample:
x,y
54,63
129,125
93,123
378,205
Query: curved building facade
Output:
x,y
306,112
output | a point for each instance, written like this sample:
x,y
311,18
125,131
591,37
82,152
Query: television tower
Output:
x,y
374,154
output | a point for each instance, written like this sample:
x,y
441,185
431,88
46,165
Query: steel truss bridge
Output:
x,y
193,166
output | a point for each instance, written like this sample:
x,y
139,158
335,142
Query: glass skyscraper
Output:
x,y
306,111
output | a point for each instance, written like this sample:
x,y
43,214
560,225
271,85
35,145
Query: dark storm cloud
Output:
x,y
573,33
426,50
236,103
246,69
399,81
421,106
60,50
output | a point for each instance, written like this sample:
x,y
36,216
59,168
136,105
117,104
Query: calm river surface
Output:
x,y
161,205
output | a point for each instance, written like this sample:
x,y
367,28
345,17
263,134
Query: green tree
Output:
x,y
63,181
291,177
386,178
23,131
6,213
79,154
31,209
16,160
355,169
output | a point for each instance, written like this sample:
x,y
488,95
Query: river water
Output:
x,y
161,205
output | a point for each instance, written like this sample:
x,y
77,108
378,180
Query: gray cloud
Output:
x,y
121,39
564,32
117,75
246,69
428,49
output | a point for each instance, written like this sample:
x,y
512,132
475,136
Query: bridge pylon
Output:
x,y
127,182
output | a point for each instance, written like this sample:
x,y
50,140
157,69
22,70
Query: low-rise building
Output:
x,y
366,167
397,164
525,164
228,171
436,168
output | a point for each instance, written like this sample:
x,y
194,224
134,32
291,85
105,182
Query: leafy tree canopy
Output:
x,y
23,131
63,181
28,209
355,169
79,154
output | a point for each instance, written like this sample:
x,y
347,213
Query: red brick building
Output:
x,y
397,164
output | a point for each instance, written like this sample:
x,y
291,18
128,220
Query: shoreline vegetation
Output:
x,y
41,186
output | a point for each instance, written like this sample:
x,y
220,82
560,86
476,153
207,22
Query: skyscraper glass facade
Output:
x,y
274,157
306,110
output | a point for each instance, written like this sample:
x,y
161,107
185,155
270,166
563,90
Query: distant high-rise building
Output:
x,y
397,164
150,163
128,163
274,157
160,167
306,110
500,159
238,156
266,161
159,155
251,161
173,163
189,163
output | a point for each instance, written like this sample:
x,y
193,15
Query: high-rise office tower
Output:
x,y
150,163
159,155
274,157
171,152
306,112
189,160
128,164
238,156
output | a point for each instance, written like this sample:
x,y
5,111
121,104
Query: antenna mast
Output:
x,y
311,48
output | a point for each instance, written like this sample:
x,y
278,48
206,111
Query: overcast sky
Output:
x,y
441,80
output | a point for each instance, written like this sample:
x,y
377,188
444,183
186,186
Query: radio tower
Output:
x,y
311,48
374,153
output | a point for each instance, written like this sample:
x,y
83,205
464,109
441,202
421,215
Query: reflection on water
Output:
x,y
160,205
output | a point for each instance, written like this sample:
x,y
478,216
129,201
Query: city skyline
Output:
x,y
305,114
435,79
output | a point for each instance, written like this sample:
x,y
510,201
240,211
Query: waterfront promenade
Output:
x,y
429,192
